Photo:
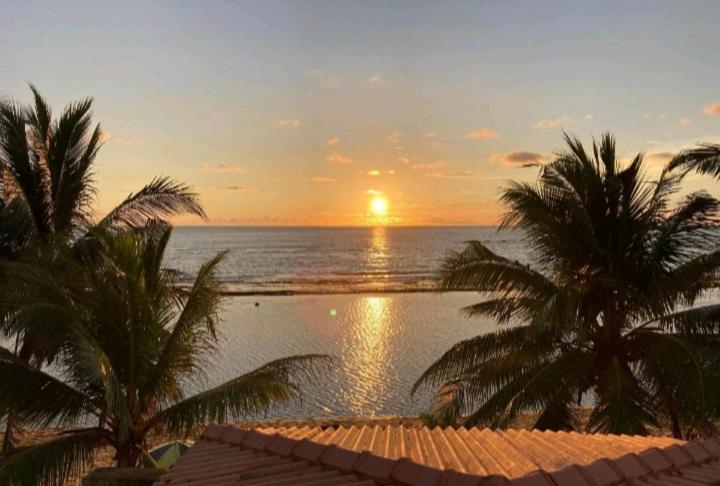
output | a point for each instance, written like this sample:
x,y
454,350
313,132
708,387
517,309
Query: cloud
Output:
x,y
373,172
685,121
289,123
240,188
589,117
337,158
518,158
332,141
403,160
660,158
239,169
438,164
555,122
391,171
482,133
393,138
324,180
713,109
375,80
373,192
461,174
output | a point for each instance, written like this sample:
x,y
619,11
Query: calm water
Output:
x,y
382,341
328,260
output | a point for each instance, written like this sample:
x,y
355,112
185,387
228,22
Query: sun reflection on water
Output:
x,y
366,364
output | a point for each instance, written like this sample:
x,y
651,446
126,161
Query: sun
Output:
x,y
378,206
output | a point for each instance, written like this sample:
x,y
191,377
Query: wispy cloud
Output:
x,y
438,164
685,121
224,168
589,117
240,188
482,133
373,172
375,80
518,158
324,180
337,158
373,192
393,137
660,158
713,109
553,122
461,174
332,141
289,123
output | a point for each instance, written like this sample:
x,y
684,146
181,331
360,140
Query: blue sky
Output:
x,y
302,112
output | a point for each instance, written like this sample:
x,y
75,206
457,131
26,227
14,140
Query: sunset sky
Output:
x,y
302,112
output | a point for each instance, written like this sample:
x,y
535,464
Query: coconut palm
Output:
x,y
130,342
603,315
47,189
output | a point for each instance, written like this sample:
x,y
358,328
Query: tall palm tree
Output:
x,y
47,189
47,167
602,317
130,342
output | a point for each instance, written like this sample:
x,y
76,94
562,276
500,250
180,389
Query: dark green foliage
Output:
x,y
127,340
603,313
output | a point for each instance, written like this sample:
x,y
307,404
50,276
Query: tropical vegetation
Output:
x,y
605,314
102,339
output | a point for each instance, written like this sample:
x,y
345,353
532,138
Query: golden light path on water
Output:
x,y
369,343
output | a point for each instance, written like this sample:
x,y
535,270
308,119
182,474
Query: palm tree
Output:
x,y
47,189
130,342
603,316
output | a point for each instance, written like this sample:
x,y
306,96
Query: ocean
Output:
x,y
358,294
294,260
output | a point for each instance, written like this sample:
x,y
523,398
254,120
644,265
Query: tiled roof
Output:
x,y
511,453
440,457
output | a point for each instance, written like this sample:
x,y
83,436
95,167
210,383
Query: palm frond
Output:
x,y
276,382
704,159
161,198
50,463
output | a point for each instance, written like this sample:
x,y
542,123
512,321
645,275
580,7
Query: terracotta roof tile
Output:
x,y
444,457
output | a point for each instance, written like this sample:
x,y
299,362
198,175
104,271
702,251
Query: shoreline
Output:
x,y
275,293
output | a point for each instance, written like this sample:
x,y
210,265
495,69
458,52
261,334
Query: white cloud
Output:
x,y
337,158
375,80
224,168
438,164
461,174
554,122
482,133
289,123
393,138
324,180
